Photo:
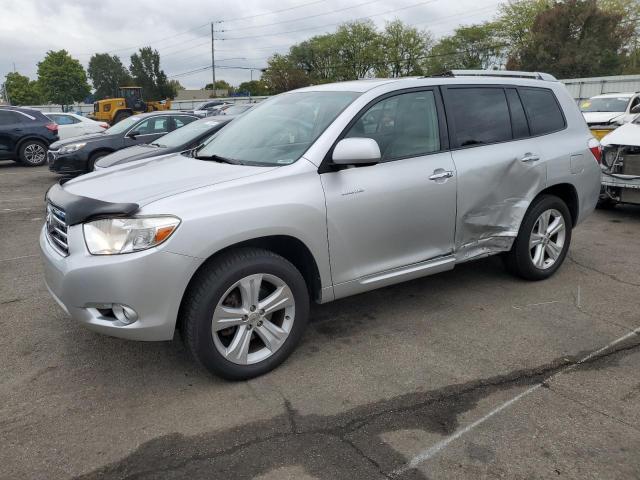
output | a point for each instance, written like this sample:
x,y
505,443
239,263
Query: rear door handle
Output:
x,y
530,158
440,174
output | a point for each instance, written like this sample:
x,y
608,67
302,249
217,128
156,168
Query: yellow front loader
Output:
x,y
130,102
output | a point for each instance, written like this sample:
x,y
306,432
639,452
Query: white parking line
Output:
x,y
18,258
435,449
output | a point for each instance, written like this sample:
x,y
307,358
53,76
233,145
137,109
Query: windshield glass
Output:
x,y
237,109
123,125
611,104
279,130
185,134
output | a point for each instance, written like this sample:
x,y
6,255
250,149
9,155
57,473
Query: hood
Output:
x,y
82,138
628,134
146,181
601,117
137,152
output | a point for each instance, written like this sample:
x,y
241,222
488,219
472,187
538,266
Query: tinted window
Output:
x,y
480,115
153,126
8,118
518,118
542,110
182,120
404,125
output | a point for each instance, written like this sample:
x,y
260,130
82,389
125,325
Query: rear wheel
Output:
x,y
245,313
121,116
543,240
33,153
93,159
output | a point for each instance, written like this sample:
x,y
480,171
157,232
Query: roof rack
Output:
x,y
498,73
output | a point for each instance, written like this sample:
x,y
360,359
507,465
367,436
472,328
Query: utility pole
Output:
x,y
213,62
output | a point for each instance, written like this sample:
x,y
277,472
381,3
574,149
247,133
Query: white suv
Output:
x,y
317,194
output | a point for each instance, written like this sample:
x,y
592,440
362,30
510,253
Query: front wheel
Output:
x,y
543,240
244,313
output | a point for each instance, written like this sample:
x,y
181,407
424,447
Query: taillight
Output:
x,y
104,125
52,127
596,149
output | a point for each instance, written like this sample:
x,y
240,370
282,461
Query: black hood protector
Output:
x,y
79,209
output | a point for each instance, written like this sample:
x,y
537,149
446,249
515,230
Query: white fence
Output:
x,y
86,108
581,88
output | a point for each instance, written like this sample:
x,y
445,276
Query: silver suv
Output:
x,y
317,194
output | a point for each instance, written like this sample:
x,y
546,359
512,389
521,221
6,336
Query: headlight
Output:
x,y
74,147
125,235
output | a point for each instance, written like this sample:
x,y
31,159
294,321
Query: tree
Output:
x,y
21,90
108,74
514,24
256,88
318,57
576,38
62,79
220,85
283,74
403,47
360,50
146,72
473,47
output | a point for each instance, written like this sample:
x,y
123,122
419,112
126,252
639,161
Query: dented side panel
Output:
x,y
495,188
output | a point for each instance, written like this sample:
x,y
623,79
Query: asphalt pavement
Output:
x,y
468,374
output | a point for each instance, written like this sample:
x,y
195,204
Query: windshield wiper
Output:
x,y
218,158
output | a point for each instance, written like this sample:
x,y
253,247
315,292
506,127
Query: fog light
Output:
x,y
125,314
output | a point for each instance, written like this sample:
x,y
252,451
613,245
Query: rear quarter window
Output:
x,y
543,110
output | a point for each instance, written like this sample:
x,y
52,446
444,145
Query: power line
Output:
x,y
272,12
331,24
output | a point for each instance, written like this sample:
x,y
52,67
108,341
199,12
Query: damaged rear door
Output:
x,y
501,166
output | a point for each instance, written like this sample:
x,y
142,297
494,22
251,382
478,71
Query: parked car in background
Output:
x,y
232,110
76,156
184,139
604,113
25,135
73,125
202,108
318,194
621,165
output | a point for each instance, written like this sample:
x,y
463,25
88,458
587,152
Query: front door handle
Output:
x,y
440,174
530,158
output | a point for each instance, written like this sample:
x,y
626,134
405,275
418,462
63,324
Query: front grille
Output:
x,y
57,229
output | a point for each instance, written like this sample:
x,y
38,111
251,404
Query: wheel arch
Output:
x,y
568,194
22,141
287,246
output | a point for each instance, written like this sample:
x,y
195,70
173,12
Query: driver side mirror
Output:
x,y
133,134
356,151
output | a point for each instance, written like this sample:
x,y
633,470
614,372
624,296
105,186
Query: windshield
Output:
x,y
237,109
123,125
610,104
279,130
185,134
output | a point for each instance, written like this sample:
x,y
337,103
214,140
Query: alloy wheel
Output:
x,y
547,239
34,153
253,319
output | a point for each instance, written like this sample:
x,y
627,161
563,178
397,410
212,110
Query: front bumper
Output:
x,y
70,164
151,282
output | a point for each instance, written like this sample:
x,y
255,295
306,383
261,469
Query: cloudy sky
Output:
x,y
248,33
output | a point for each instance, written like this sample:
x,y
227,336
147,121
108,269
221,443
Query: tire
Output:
x,y
93,159
121,116
33,153
215,287
537,262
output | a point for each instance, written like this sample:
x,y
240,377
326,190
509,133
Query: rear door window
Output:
x,y
480,115
542,109
182,120
9,118
404,125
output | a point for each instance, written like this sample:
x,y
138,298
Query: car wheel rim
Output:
x,y
547,239
253,319
34,153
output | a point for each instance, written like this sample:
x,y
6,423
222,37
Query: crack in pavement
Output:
x,y
310,440
594,269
